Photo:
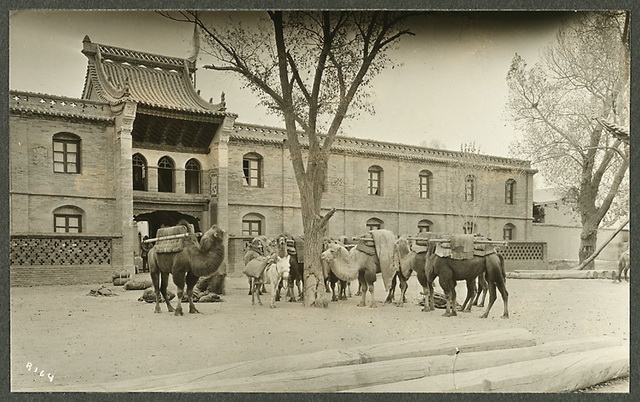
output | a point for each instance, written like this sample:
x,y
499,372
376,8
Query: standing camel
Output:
x,y
623,265
186,266
259,247
450,271
410,261
349,265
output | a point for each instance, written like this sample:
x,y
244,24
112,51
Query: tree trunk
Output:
x,y
588,240
314,291
593,256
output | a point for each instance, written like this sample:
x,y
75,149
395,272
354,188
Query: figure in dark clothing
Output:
x,y
144,254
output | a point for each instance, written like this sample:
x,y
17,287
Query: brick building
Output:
x,y
140,149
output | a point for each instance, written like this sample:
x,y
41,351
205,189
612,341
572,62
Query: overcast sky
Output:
x,y
451,85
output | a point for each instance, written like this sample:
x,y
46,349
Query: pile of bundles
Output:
x,y
120,277
439,301
102,291
149,296
138,284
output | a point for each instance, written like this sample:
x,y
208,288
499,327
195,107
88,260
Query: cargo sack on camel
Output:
x,y
464,247
173,244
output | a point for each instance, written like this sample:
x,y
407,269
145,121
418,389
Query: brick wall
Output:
x,y
28,275
36,191
399,206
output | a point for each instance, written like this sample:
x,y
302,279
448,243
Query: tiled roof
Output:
x,y
154,81
31,103
352,145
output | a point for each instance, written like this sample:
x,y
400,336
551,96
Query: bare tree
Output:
x,y
581,80
312,68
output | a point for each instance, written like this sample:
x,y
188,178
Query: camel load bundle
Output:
x,y
295,246
456,246
171,239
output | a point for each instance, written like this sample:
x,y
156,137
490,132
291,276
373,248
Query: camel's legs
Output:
x,y
164,276
275,293
471,292
392,291
505,299
370,278
191,282
482,291
332,285
492,299
179,281
250,285
155,278
430,297
343,290
363,289
349,289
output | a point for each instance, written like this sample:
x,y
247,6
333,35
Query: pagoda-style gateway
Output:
x,y
141,149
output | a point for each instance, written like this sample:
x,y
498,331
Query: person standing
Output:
x,y
144,253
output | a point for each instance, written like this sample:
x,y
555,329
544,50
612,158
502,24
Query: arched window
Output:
x,y
252,225
192,176
375,180
139,172
66,153
469,188
68,219
509,231
509,191
252,169
469,228
425,184
374,224
165,175
425,225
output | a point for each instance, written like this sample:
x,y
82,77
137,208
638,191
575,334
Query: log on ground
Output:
x,y
333,379
471,342
554,274
563,373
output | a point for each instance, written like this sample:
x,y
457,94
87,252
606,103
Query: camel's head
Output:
x,y
331,252
215,235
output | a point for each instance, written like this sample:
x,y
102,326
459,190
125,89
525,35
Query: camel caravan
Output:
x,y
279,263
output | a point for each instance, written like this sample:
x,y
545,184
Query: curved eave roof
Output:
x,y
115,75
358,146
35,103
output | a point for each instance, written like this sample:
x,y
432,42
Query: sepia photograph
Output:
x,y
319,201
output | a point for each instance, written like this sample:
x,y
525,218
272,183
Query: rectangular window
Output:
x,y
507,234
66,156
251,169
374,183
251,228
67,223
424,186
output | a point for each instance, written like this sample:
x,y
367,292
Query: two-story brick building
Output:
x,y
141,149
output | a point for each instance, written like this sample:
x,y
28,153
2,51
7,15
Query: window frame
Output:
x,y
509,192
469,227
162,171
66,139
189,170
425,178
145,171
508,228
425,223
469,188
67,226
375,178
374,224
250,231
248,179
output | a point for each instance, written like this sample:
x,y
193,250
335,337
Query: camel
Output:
x,y
296,267
349,265
623,265
275,273
410,261
186,266
449,271
260,246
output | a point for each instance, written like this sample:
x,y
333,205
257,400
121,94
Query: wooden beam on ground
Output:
x,y
333,379
563,373
558,274
470,342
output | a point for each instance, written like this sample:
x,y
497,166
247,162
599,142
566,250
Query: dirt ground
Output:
x,y
77,339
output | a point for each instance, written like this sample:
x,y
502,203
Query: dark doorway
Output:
x,y
160,218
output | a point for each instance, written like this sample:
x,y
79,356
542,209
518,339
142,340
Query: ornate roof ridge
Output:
x,y
14,92
123,54
392,146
